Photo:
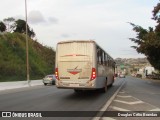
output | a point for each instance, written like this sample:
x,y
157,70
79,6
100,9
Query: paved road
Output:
x,y
145,90
49,98
137,95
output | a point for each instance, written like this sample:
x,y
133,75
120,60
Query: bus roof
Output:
x,y
70,41
85,41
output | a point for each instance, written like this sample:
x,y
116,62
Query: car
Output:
x,y
49,79
122,76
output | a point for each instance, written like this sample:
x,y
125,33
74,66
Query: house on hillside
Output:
x,y
146,71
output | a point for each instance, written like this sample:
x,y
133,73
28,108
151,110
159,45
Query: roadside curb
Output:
x,y
19,84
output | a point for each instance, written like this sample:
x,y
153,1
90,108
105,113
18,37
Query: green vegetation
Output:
x,y
11,25
13,58
148,40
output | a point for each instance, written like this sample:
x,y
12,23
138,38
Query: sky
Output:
x,y
104,21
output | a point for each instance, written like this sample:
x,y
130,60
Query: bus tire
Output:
x,y
77,91
45,84
112,82
104,89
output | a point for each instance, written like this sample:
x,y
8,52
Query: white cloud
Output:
x,y
65,35
36,17
53,20
102,20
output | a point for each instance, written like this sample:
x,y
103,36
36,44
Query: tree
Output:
x,y
148,40
2,27
9,22
156,16
31,33
21,28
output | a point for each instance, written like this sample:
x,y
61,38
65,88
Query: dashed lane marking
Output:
x,y
156,109
107,118
122,92
127,96
104,108
129,103
118,108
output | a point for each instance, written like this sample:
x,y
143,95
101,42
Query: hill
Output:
x,y
13,58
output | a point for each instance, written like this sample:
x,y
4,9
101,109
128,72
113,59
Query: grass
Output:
x,y
13,58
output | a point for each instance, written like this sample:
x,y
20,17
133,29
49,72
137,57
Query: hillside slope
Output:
x,y
13,58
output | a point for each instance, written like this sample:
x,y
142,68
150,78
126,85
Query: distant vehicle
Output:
x,y
83,65
122,76
49,79
149,70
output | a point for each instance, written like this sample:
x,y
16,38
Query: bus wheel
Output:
x,y
112,82
104,89
77,91
45,84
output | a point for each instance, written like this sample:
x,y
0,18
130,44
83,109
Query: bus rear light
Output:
x,y
93,74
56,74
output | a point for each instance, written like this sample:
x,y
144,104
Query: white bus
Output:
x,y
83,65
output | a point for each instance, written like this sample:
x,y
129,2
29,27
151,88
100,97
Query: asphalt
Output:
x,y
49,98
135,95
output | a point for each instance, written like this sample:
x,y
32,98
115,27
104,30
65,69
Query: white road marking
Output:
x,y
107,118
122,92
104,108
127,96
118,108
156,109
129,103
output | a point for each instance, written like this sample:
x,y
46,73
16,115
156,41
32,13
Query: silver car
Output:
x,y
122,76
49,79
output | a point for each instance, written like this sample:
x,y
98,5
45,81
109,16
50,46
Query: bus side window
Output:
x,y
98,56
103,55
106,60
109,63
103,58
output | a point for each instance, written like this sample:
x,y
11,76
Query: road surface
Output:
x,y
135,95
49,98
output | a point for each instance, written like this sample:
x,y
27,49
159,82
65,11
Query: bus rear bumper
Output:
x,y
70,85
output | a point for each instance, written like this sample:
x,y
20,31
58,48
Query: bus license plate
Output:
x,y
74,85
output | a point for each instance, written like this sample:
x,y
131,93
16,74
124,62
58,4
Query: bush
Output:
x,y
139,75
13,58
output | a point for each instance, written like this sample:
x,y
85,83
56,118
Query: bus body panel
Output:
x,y
74,63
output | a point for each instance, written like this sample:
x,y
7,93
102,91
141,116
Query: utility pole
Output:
x,y
27,60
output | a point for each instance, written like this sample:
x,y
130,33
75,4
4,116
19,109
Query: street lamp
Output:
x,y
27,61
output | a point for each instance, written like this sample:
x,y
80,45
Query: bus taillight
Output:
x,y
93,75
56,74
